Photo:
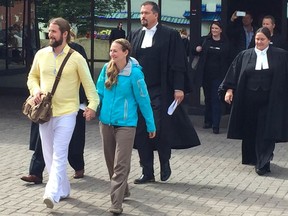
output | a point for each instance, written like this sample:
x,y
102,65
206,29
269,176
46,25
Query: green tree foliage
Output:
x,y
76,11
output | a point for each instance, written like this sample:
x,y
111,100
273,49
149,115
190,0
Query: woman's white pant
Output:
x,y
55,136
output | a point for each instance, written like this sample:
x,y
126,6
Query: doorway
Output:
x,y
261,8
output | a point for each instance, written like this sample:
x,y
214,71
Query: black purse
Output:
x,y
195,61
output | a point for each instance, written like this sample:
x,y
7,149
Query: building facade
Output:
x,y
194,15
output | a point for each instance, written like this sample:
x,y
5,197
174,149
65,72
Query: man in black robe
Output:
x,y
161,53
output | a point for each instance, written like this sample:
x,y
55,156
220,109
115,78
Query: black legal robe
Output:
x,y
276,126
177,130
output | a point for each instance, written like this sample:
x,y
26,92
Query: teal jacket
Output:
x,y
120,103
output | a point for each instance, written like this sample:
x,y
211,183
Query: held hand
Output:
x,y
178,96
89,114
229,96
152,134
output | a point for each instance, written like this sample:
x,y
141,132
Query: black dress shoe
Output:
x,y
165,171
261,171
264,170
32,178
207,125
215,130
267,167
144,179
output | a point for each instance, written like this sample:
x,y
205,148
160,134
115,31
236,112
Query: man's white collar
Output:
x,y
153,29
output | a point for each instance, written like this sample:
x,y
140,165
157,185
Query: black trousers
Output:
x,y
146,146
256,149
77,143
76,147
213,110
37,163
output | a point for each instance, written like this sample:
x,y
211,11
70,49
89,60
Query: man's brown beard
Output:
x,y
145,24
56,43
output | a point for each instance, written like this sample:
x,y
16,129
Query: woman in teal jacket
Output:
x,y
122,90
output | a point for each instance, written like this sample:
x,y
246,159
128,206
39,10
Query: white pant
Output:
x,y
55,136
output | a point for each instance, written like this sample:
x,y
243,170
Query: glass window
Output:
x,y
17,34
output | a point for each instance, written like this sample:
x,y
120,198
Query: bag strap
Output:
x,y
204,41
57,79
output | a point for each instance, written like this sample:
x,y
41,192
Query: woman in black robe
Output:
x,y
256,86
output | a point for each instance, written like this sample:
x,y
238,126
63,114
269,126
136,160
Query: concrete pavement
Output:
x,y
206,180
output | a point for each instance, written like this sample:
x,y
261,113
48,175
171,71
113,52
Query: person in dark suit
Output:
x,y
160,51
185,39
256,86
117,33
241,33
277,39
37,163
77,143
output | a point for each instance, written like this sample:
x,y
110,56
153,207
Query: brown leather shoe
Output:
x,y
32,178
78,174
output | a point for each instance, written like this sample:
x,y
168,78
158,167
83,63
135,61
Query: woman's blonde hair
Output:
x,y
112,70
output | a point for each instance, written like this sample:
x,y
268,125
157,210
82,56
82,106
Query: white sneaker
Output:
x,y
49,202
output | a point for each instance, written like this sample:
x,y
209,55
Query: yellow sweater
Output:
x,y
66,98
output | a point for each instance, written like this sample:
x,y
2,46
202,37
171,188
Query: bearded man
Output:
x,y
56,133
161,53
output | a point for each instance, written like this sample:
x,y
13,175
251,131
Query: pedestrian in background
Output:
x,y
122,89
117,33
240,31
214,50
185,39
277,39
